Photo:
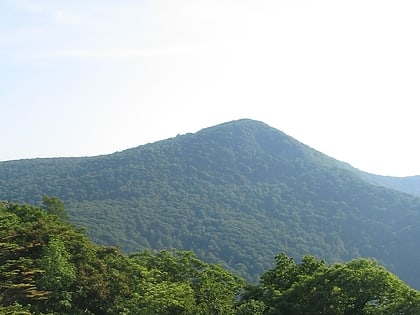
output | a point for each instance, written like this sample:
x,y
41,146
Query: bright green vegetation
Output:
x,y
48,266
235,194
360,286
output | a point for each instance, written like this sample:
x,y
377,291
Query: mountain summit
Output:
x,y
236,193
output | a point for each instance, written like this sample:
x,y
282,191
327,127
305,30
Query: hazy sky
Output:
x,y
89,77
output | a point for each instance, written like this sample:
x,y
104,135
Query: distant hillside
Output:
x,y
237,193
409,184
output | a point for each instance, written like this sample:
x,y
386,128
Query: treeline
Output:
x,y
49,266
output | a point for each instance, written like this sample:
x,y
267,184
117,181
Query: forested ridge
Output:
x,y
48,266
236,194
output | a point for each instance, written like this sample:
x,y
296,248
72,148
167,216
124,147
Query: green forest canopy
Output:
x,y
49,266
235,194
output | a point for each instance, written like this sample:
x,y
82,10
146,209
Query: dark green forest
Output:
x,y
49,266
236,194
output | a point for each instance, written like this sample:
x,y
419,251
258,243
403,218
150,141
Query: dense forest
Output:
x,y
235,194
49,266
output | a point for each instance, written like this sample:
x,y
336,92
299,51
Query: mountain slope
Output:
x,y
409,184
237,193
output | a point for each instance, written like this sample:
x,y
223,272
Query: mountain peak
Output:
x,y
236,193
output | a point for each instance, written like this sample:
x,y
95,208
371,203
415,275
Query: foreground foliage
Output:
x,y
360,286
48,266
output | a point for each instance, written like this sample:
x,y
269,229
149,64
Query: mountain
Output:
x,y
236,193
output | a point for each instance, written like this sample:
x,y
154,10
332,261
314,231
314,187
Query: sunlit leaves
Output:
x,y
360,286
58,274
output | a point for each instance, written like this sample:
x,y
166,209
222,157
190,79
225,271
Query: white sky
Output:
x,y
89,77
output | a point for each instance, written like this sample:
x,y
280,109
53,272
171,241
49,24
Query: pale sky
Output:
x,y
90,77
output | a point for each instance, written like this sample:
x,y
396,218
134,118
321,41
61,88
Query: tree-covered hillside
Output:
x,y
49,267
237,193
409,184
